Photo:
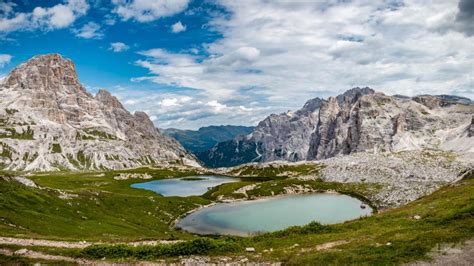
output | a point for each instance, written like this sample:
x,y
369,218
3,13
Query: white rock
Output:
x,y
22,251
250,249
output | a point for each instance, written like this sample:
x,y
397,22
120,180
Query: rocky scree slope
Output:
x,y
48,121
359,120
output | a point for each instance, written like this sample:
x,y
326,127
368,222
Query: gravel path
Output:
x,y
64,244
25,253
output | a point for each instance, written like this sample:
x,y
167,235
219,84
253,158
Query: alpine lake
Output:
x,y
250,217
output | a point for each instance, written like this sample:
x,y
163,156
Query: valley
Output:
x,y
115,221
361,177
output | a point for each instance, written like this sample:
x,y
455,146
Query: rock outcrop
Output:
x,y
283,136
48,121
375,122
359,120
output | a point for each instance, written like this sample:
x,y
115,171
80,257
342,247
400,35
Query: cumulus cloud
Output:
x,y
118,47
178,27
178,111
287,53
146,11
4,59
90,30
46,18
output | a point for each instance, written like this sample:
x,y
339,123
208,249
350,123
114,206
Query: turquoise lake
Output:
x,y
182,187
272,214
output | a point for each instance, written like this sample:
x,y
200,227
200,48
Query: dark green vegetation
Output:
x,y
7,151
11,111
56,148
201,140
8,129
192,178
199,246
231,153
109,210
13,134
93,134
99,134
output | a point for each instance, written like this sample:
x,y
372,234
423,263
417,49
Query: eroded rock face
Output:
x,y
286,136
359,120
375,122
48,121
283,136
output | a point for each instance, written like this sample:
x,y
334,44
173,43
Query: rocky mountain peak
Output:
x,y
428,101
45,72
311,105
352,95
359,120
48,121
108,99
145,121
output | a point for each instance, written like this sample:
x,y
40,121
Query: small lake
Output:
x,y
272,214
186,186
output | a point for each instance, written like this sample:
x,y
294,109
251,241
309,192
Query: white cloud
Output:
x,y
118,47
178,27
90,30
4,59
281,54
46,18
169,102
109,20
8,24
146,10
176,110
7,7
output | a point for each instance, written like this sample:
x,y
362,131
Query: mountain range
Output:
x,y
201,140
48,121
358,120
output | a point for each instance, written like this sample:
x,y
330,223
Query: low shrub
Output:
x,y
200,246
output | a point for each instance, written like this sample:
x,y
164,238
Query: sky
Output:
x,y
190,63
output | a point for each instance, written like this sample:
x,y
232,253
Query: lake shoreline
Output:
x,y
175,225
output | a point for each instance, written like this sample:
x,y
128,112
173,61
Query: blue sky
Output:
x,y
195,63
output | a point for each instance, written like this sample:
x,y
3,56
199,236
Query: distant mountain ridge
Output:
x,y
48,121
358,120
197,141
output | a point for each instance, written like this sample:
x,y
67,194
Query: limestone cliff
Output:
x,y
48,121
359,120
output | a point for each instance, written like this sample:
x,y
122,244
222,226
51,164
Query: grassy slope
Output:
x,y
447,217
107,209
276,170
276,187
104,209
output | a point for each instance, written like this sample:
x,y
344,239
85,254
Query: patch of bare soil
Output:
x,y
450,254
